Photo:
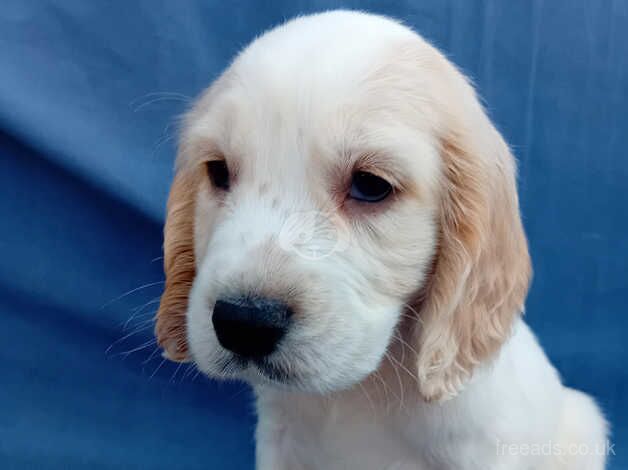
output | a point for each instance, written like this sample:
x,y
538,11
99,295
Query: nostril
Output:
x,y
250,327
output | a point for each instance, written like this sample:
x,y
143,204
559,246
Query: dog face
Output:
x,y
338,177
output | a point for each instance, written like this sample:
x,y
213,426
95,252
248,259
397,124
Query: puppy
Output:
x,y
343,232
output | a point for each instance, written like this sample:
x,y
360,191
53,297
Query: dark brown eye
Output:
x,y
218,174
369,188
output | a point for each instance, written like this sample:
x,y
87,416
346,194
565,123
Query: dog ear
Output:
x,y
482,270
179,266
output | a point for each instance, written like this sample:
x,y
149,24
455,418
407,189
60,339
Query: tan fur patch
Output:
x,y
179,265
482,267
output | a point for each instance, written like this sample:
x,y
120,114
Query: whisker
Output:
x,y
387,390
145,286
417,316
159,93
369,399
155,351
404,343
401,387
134,332
139,348
238,393
138,310
158,367
175,372
155,97
144,318
164,139
188,371
405,369
403,349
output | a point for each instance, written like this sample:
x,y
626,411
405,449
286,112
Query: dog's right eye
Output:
x,y
218,174
367,187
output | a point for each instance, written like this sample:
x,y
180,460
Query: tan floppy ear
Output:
x,y
482,268
179,266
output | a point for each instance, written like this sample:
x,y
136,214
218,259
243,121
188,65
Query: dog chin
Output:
x,y
267,373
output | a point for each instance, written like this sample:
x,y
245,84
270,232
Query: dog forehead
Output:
x,y
311,65
308,91
314,76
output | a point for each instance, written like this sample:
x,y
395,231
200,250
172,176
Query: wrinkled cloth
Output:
x,y
90,93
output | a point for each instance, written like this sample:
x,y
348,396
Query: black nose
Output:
x,y
250,327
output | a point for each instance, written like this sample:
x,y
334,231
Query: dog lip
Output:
x,y
227,365
236,364
273,372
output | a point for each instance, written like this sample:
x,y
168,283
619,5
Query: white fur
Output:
x,y
512,407
292,104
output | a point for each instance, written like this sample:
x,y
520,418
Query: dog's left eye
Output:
x,y
218,174
369,188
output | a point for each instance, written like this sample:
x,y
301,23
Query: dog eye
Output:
x,y
369,188
218,174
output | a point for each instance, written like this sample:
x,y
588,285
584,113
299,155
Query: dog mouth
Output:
x,y
275,372
258,368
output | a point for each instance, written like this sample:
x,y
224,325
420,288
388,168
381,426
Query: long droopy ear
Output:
x,y
482,268
179,266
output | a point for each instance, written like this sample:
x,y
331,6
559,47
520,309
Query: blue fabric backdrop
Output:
x,y
89,93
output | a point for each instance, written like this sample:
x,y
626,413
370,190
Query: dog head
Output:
x,y
340,182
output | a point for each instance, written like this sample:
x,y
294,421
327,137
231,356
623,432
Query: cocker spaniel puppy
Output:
x,y
343,232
